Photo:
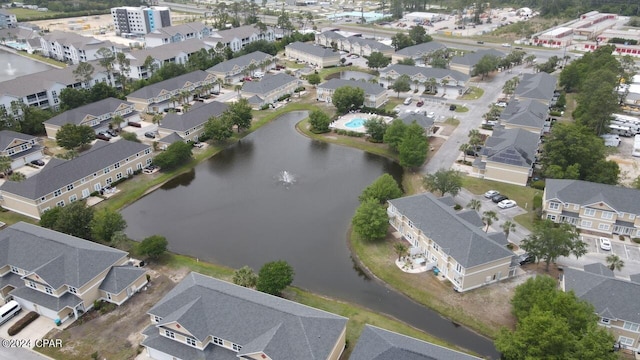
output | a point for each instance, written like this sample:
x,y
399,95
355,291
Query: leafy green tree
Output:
x,y
245,276
219,128
240,114
487,64
419,35
402,84
73,219
614,262
5,164
319,122
444,181
474,204
346,98
101,91
124,66
597,100
153,246
16,177
407,61
32,120
377,60
548,241
106,59
129,136
575,152
400,249
71,136
314,79
394,134
105,224
370,220
376,128
274,277
412,151
49,218
84,72
382,189
176,154
400,41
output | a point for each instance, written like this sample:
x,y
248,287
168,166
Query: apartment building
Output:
x,y
64,181
20,148
140,20
540,86
237,38
234,70
312,54
596,208
61,276
190,125
374,95
206,318
176,33
353,44
270,88
71,47
466,64
417,52
175,52
453,242
423,76
527,114
7,19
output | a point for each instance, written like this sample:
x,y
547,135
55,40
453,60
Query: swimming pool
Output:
x,y
355,123
16,45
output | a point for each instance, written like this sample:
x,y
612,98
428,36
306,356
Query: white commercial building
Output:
x,y
140,20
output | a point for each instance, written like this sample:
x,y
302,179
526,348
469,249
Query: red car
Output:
x,y
246,79
420,103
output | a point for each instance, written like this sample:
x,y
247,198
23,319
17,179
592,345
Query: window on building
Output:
x,y
15,270
632,216
589,212
586,223
631,326
218,341
73,198
60,203
170,334
410,224
604,226
48,290
157,319
607,215
623,340
435,247
57,192
108,181
191,341
459,268
236,347
106,170
73,290
554,206
32,284
117,165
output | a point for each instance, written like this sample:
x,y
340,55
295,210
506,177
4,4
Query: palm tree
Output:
x,y
238,88
488,217
116,121
444,86
400,249
184,96
416,83
432,84
186,107
508,227
464,148
156,118
614,262
474,204
174,99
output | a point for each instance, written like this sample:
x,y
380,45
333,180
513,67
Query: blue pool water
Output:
x,y
16,45
355,123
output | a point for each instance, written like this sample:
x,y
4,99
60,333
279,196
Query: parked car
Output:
x,y
605,244
480,42
420,103
112,133
407,101
246,78
501,104
135,124
452,107
506,45
150,135
198,144
103,136
526,259
37,162
491,193
506,204
497,198
151,169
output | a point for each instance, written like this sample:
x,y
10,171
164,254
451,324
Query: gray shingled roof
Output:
x,y
313,49
166,52
45,300
268,83
373,44
241,61
609,296
181,351
421,49
472,217
635,278
464,241
98,108
8,136
78,41
56,176
172,84
240,32
332,35
183,29
600,269
380,344
198,115
525,112
57,258
171,138
536,86
420,119
121,277
585,193
471,59
257,321
11,279
369,88
428,73
517,147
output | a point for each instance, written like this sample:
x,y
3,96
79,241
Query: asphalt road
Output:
x,y
14,353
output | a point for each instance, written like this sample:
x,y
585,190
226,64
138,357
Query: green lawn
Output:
x,y
28,14
51,61
328,71
461,109
392,103
292,64
10,218
474,94
452,121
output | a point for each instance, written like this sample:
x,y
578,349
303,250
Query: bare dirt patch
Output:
x,y
446,129
117,334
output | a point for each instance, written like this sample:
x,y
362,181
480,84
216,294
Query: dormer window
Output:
x,y
15,270
170,334
191,341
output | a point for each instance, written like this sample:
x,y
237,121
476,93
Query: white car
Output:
x,y
407,101
506,45
605,244
505,204
501,104
491,193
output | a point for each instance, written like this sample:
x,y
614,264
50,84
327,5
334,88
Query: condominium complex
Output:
x,y
140,20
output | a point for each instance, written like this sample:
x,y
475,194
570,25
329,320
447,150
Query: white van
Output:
x,y
9,310
621,130
407,101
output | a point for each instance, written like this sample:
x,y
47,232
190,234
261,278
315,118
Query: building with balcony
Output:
x,y
71,47
140,20
175,52
189,126
422,76
312,54
270,88
176,33
374,95
237,38
7,19
20,148
417,52
234,70
466,64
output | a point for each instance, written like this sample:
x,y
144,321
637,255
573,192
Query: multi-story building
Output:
x,y
43,89
20,148
312,54
157,97
612,298
423,76
588,27
540,86
374,95
176,52
592,207
64,181
189,125
97,115
7,19
206,318
353,44
466,64
232,71
71,47
417,52
527,114
452,242
140,20
237,38
176,33
270,88
61,276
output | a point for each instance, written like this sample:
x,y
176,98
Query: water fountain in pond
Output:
x,y
10,70
286,178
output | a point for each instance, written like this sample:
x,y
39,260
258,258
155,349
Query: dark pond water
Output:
x,y
235,210
351,75
12,66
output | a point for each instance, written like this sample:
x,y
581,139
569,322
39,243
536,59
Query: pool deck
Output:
x,y
340,123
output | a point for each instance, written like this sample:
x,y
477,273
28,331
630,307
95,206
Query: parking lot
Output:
x,y
626,251
438,107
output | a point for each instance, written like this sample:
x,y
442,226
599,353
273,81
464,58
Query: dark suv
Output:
x,y
526,259
497,198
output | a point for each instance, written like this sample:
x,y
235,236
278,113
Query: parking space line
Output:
x,y
626,251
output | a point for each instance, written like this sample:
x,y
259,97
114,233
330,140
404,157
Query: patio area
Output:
x,y
414,262
355,121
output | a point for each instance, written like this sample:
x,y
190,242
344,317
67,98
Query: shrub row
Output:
x,y
22,323
377,111
284,97
349,133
